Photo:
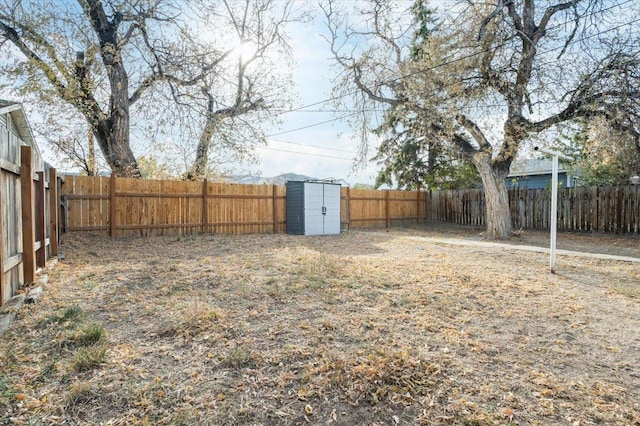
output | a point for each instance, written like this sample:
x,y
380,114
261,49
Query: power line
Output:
x,y
312,125
306,108
305,153
313,146
333,111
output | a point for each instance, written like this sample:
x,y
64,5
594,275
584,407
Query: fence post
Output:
x,y
53,210
28,228
112,206
386,209
39,205
1,253
596,215
274,208
418,204
205,205
348,207
428,206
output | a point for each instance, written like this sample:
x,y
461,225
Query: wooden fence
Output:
x,y
365,208
29,231
131,207
608,209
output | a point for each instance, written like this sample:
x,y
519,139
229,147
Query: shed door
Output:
x,y
332,209
313,207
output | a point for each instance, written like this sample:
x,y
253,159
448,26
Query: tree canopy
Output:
x,y
604,154
111,60
487,77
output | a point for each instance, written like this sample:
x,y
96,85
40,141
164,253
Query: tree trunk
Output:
x,y
111,128
91,156
113,138
112,132
199,167
497,198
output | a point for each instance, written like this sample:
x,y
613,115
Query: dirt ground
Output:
x,y
364,328
620,245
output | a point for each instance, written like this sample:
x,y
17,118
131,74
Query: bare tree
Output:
x,y
79,151
493,75
98,57
225,105
102,57
65,133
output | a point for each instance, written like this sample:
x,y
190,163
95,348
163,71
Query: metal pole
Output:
x,y
554,212
554,200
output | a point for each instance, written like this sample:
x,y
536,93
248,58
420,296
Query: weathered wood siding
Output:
x,y
28,233
11,212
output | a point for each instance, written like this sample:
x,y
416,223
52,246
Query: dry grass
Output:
x,y
361,328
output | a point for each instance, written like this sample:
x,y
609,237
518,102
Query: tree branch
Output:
x,y
496,11
172,78
475,131
548,14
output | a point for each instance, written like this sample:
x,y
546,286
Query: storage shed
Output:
x,y
313,208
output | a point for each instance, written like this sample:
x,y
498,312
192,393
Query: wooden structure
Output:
x,y
28,190
382,209
152,207
606,209
133,207
125,207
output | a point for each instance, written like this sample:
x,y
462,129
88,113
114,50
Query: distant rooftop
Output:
x,y
533,167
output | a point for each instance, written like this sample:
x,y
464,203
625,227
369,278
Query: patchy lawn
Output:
x,y
364,328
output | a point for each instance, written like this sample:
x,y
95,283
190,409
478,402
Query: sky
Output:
x,y
310,140
323,147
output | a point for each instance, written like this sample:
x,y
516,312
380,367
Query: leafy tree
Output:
x,y
413,162
362,186
491,76
604,154
151,167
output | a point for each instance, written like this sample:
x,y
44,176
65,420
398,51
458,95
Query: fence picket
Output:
x,y
28,224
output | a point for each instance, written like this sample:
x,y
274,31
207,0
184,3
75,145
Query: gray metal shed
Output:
x,y
313,208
